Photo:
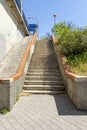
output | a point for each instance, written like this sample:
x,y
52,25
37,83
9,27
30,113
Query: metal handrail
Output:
x,y
25,20
18,4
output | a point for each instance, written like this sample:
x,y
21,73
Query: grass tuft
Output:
x,y
78,63
4,111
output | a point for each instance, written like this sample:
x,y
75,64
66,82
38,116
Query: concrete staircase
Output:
x,y
43,75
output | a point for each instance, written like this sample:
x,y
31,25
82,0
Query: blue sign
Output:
x,y
32,27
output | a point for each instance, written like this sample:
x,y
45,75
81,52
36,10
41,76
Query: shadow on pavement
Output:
x,y
66,107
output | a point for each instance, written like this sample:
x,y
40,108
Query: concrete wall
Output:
x,y
77,91
59,57
11,89
4,94
76,86
10,32
17,85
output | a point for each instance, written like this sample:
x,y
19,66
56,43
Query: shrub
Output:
x,y
73,43
73,40
78,63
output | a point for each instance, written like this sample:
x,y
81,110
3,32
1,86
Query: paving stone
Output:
x,y
44,112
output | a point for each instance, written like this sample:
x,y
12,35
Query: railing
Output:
x,y
18,2
25,20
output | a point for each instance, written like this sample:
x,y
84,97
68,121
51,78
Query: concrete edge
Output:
x,y
14,8
20,70
69,74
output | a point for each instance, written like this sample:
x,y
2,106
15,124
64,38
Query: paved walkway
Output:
x,y
44,112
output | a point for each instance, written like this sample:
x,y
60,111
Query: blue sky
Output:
x,y
74,11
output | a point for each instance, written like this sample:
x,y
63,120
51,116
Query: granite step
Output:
x,y
44,87
43,70
43,92
41,82
43,67
43,77
30,73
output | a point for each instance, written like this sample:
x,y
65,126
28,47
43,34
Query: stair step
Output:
x,y
43,77
43,70
43,92
43,74
38,53
39,61
41,82
45,57
42,57
44,54
43,67
44,87
30,73
43,64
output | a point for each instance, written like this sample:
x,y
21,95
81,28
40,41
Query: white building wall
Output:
x,y
10,33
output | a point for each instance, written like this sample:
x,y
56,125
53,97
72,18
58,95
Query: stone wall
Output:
x,y
4,94
77,91
76,85
17,85
11,86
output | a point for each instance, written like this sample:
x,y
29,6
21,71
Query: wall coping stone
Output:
x,y
21,66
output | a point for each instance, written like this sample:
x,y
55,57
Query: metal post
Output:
x,y
54,23
54,18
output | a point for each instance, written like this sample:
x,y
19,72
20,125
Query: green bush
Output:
x,y
73,40
4,111
73,43
78,63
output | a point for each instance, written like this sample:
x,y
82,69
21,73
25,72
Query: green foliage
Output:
x,y
4,111
73,43
72,40
78,63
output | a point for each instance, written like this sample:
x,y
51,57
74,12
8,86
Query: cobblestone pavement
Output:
x,y
44,112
